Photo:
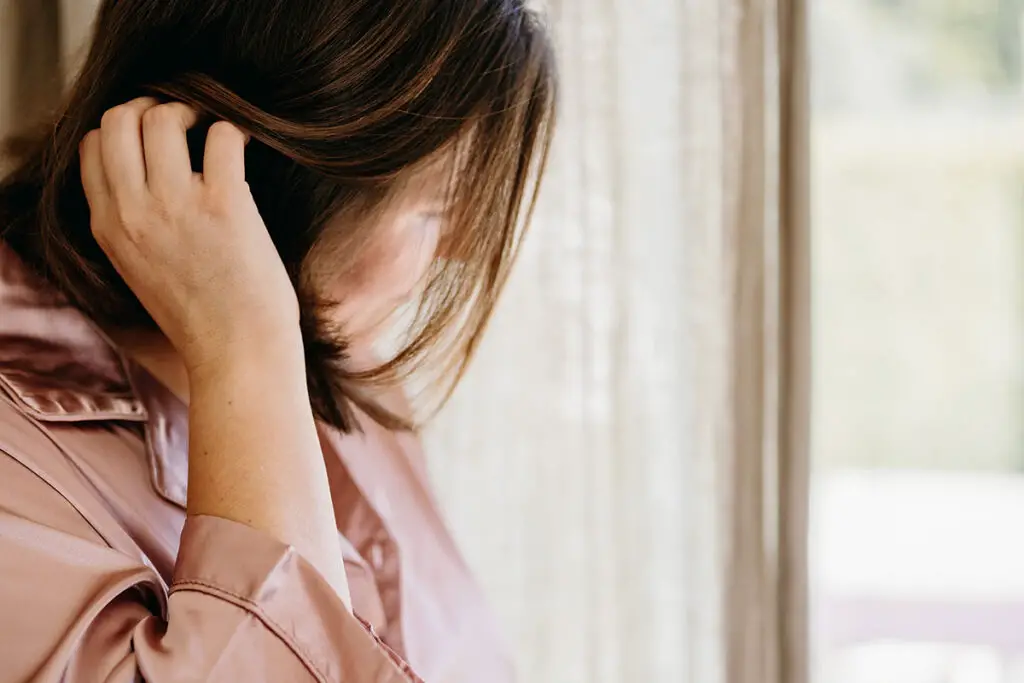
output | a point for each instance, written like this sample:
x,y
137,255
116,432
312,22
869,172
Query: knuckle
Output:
x,y
90,140
144,102
217,202
160,116
127,215
116,117
134,217
160,212
181,109
224,129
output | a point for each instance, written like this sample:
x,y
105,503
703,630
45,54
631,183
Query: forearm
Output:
x,y
254,455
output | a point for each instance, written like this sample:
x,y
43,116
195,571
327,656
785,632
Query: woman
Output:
x,y
205,474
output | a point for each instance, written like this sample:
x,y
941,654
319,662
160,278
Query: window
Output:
x,y
918,427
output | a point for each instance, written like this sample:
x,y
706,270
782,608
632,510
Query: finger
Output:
x,y
165,148
123,158
224,158
94,180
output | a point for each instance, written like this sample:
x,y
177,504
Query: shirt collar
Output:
x,y
58,367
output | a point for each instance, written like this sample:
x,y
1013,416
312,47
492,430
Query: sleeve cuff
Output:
x,y
271,581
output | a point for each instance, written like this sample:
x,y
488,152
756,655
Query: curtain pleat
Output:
x,y
627,463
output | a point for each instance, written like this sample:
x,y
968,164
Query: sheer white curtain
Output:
x,y
626,461
625,465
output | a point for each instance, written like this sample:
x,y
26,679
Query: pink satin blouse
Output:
x,y
103,577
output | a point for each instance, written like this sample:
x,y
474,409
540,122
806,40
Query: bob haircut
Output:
x,y
343,100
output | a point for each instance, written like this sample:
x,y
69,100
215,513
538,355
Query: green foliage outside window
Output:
x,y
962,42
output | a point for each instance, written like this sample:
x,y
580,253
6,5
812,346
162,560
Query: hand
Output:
x,y
196,253
192,247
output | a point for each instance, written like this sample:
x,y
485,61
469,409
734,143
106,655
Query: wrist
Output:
x,y
279,355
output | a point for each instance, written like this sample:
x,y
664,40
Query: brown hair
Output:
x,y
342,98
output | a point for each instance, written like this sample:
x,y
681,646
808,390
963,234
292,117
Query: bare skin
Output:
x,y
196,253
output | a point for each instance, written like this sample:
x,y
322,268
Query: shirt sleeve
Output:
x,y
242,606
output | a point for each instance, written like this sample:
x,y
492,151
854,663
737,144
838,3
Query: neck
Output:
x,y
151,350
